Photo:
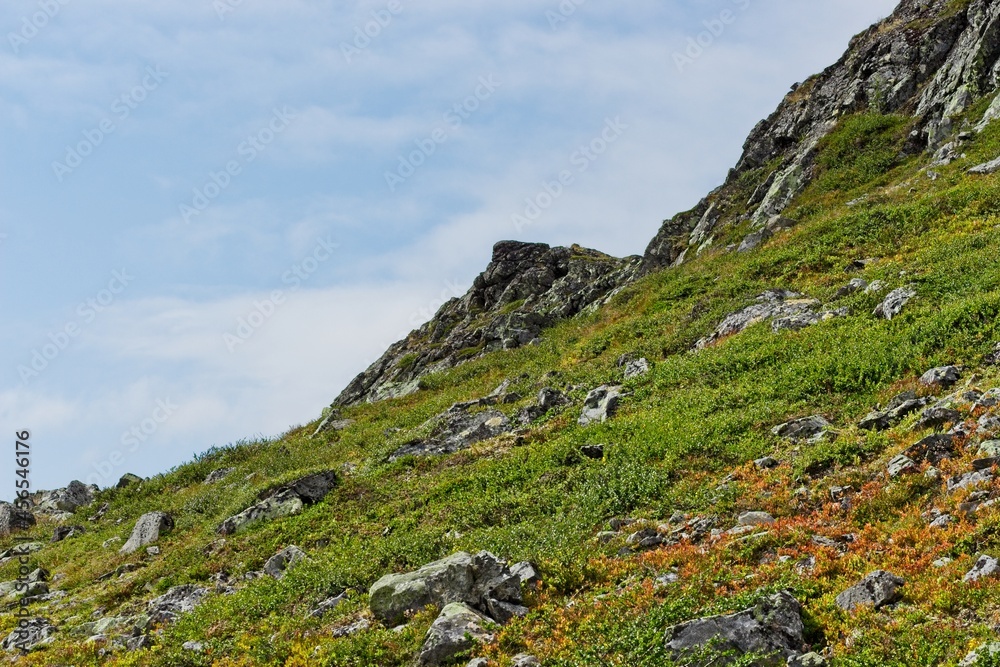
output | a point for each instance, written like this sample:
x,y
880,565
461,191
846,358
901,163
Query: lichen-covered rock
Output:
x,y
70,499
986,567
178,600
877,590
772,629
458,628
895,302
286,500
284,559
147,530
600,405
30,633
481,581
457,429
14,519
802,430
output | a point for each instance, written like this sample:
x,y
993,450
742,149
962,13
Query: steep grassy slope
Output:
x,y
683,442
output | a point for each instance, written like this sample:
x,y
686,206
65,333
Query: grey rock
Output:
x,y
942,521
526,288
456,630
482,581
527,573
895,302
127,480
969,480
286,500
219,475
936,417
990,650
944,377
525,660
178,600
990,448
902,465
637,368
351,629
878,589
332,422
600,405
595,452
328,605
66,532
147,530
478,662
193,646
70,499
773,629
985,567
802,430
31,632
855,285
755,519
807,660
933,448
766,463
788,309
456,430
284,559
986,168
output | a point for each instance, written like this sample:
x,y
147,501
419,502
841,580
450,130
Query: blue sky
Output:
x,y
215,213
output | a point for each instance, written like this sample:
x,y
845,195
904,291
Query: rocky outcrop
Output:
x,y
771,631
147,530
483,582
526,288
178,600
876,590
457,629
457,429
784,309
73,497
286,500
930,59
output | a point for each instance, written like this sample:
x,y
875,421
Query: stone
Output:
x,y
855,285
937,418
895,302
595,452
456,630
986,168
527,573
14,519
941,522
478,662
933,448
284,559
766,463
219,475
147,530
807,660
600,405
637,368
351,628
328,605
481,581
525,660
127,480
789,310
801,430
193,646
70,499
985,567
990,650
176,601
773,629
456,430
31,632
755,519
878,589
990,448
286,500
66,532
944,377
902,465
969,480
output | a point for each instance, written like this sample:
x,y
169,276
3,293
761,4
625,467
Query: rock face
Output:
x,y
457,629
483,582
772,629
13,519
931,59
147,531
877,589
525,288
286,500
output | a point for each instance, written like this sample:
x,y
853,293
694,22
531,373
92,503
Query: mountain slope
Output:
x,y
700,495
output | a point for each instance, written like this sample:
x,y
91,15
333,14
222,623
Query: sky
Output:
x,y
215,213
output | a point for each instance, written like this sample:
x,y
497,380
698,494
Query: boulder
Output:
x,y
600,405
943,377
772,630
127,480
65,532
855,285
457,629
483,582
527,573
219,475
937,418
285,500
277,506
73,497
147,531
878,589
637,368
902,465
986,567
14,519
802,430
984,652
933,448
31,632
456,430
895,302
284,559
755,519
789,309
178,600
